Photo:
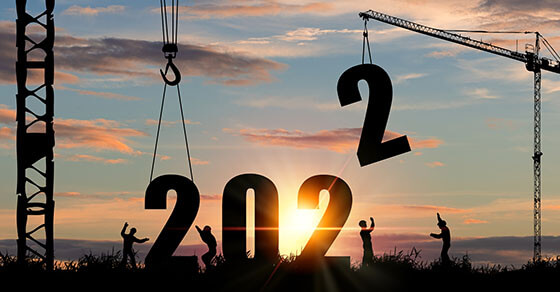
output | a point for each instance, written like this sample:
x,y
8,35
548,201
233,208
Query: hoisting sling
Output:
x,y
170,50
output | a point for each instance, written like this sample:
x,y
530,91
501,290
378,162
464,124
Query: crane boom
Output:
x,y
529,58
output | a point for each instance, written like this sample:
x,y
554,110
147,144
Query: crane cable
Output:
x,y
364,41
170,50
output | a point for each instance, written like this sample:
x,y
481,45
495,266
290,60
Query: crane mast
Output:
x,y
35,134
532,62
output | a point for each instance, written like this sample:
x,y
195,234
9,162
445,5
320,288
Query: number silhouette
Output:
x,y
180,220
234,218
338,209
371,148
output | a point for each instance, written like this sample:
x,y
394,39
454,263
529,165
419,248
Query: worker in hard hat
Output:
x,y
365,234
445,236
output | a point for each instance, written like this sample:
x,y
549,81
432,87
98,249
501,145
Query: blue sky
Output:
x,y
259,92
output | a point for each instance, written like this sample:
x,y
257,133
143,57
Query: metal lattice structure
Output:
x,y
35,134
537,158
533,63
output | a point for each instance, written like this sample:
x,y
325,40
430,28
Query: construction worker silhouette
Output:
x,y
210,240
445,236
129,239
365,234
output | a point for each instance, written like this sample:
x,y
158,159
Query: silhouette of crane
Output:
x,y
35,135
533,63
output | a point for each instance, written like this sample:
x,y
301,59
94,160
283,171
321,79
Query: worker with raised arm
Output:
x,y
365,234
210,240
129,239
445,236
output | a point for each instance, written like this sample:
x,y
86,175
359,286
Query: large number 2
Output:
x,y
371,148
180,220
338,209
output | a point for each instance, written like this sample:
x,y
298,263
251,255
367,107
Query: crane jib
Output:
x,y
527,58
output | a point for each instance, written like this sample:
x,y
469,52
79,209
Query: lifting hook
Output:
x,y
175,72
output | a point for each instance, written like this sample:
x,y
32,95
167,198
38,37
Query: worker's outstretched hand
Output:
x,y
432,234
125,224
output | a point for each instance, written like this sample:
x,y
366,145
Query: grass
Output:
x,y
396,271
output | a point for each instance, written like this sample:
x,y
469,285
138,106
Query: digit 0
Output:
x,y
234,218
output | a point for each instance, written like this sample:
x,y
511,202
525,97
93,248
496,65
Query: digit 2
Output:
x,y
234,218
371,148
336,214
180,220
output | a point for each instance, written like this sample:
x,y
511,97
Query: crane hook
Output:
x,y
175,72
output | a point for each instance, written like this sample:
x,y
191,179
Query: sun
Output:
x,y
296,229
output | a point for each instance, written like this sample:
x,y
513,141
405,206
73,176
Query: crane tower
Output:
x,y
35,134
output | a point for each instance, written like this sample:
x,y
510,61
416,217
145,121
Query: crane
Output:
x,y
533,63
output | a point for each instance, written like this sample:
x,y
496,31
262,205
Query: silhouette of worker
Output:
x,y
365,234
129,239
445,236
210,240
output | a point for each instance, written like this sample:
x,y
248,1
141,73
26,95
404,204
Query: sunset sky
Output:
x,y
259,94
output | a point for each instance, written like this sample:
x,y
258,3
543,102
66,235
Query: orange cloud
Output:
x,y
475,221
433,209
249,9
196,161
91,158
337,140
99,134
152,122
435,164
7,116
67,194
212,197
6,133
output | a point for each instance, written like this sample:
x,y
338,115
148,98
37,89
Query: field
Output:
x,y
398,271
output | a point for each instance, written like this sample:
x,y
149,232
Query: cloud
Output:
x,y
98,134
435,164
291,103
402,78
212,197
482,93
337,140
434,209
152,122
107,95
6,133
499,123
136,59
91,158
246,9
474,221
196,161
67,194
89,11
